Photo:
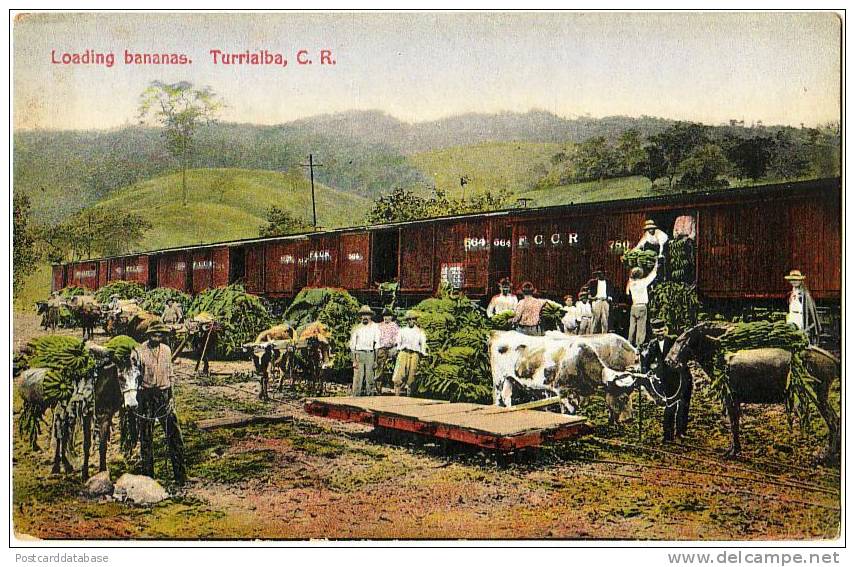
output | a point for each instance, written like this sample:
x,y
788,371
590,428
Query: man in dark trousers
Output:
x,y
156,403
600,292
676,389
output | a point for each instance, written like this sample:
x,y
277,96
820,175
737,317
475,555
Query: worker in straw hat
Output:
x,y
411,346
364,341
652,239
155,400
802,308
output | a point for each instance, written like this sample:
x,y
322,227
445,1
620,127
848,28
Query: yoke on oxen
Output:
x,y
569,368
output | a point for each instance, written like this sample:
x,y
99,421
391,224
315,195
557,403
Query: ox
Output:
x,y
570,367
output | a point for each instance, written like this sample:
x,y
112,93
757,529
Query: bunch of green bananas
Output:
x,y
120,348
155,300
67,361
681,260
644,259
676,303
125,290
241,316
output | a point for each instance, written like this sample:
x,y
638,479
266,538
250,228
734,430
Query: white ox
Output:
x,y
570,367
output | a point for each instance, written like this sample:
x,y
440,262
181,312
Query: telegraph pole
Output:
x,y
312,165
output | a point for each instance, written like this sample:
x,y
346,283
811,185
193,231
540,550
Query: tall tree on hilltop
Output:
x,y
653,166
703,167
179,108
630,150
751,157
677,143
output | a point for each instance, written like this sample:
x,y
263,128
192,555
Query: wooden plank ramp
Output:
x,y
489,427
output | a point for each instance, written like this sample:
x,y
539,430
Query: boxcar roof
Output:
x,y
682,198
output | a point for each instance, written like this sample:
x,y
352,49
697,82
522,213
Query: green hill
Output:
x,y
494,166
227,204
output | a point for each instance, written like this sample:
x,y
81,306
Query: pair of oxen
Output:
x,y
572,368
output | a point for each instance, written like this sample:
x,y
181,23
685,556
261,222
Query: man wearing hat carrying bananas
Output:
x,y
364,342
153,358
802,308
411,346
652,239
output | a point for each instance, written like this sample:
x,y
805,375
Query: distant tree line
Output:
x,y
693,155
404,205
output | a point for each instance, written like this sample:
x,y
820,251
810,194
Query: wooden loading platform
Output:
x,y
489,427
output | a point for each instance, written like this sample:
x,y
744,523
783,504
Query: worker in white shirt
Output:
x,y
502,301
364,341
802,308
601,293
570,319
652,239
636,287
585,313
412,345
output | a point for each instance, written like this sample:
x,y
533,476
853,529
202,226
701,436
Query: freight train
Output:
x,y
746,240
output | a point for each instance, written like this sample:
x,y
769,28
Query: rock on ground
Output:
x,y
139,489
99,485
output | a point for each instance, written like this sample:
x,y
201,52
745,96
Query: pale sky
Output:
x,y
781,68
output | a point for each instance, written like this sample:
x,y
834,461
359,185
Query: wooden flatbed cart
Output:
x,y
488,427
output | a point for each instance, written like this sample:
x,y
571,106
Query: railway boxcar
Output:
x,y
58,272
744,239
84,274
173,270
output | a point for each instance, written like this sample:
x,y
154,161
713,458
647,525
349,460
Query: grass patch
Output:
x,y
237,467
227,204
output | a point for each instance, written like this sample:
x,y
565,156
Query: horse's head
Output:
x,y
128,376
698,343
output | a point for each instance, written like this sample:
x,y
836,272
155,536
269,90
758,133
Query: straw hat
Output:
x,y
794,275
365,310
657,324
648,224
410,314
157,327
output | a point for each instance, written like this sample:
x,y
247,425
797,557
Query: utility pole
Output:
x,y
89,238
312,165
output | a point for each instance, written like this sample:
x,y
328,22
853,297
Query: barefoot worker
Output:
x,y
156,402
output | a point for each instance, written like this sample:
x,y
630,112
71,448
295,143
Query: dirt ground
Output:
x,y
309,477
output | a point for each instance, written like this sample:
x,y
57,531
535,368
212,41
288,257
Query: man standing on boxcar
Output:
x,y
364,341
802,308
503,301
388,340
528,311
156,403
652,239
601,292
